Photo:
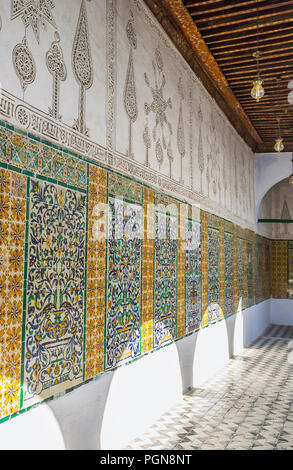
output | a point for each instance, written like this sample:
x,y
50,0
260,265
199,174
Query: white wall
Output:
x,y
110,411
281,311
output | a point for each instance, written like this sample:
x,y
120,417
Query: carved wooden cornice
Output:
x,y
179,26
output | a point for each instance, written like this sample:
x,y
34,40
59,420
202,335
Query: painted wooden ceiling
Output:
x,y
222,36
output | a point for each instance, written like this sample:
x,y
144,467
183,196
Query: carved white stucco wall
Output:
x,y
102,77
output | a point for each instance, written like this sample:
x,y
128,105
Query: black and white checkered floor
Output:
x,y
247,405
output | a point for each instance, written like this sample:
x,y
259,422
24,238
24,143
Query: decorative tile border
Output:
x,y
147,326
12,261
96,268
22,151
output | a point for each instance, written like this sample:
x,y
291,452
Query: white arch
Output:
x,y
139,393
270,169
37,429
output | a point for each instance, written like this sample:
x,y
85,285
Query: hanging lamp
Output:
x,y
257,91
279,146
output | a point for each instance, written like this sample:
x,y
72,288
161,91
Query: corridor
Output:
x,y
247,405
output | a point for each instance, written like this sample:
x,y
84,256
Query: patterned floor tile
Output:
x,y
247,405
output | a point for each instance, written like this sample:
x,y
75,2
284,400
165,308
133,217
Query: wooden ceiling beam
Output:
x,y
282,100
270,91
210,7
194,4
277,106
270,65
275,100
273,83
270,20
244,93
270,31
246,51
263,112
189,4
241,13
269,101
272,112
268,118
249,59
249,79
236,69
265,39
269,115
272,129
271,135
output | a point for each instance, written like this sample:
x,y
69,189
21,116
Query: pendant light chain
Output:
x,y
257,91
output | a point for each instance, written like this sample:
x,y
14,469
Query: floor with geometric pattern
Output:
x,y
248,405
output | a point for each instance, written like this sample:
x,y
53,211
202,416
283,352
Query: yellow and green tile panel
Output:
x,y
97,269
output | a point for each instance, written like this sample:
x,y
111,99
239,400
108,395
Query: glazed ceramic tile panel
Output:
x,y
279,269
12,258
125,235
86,286
249,257
253,240
165,268
259,270
241,300
213,312
213,275
204,267
235,282
266,273
181,271
193,275
229,272
222,267
281,266
54,330
290,269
